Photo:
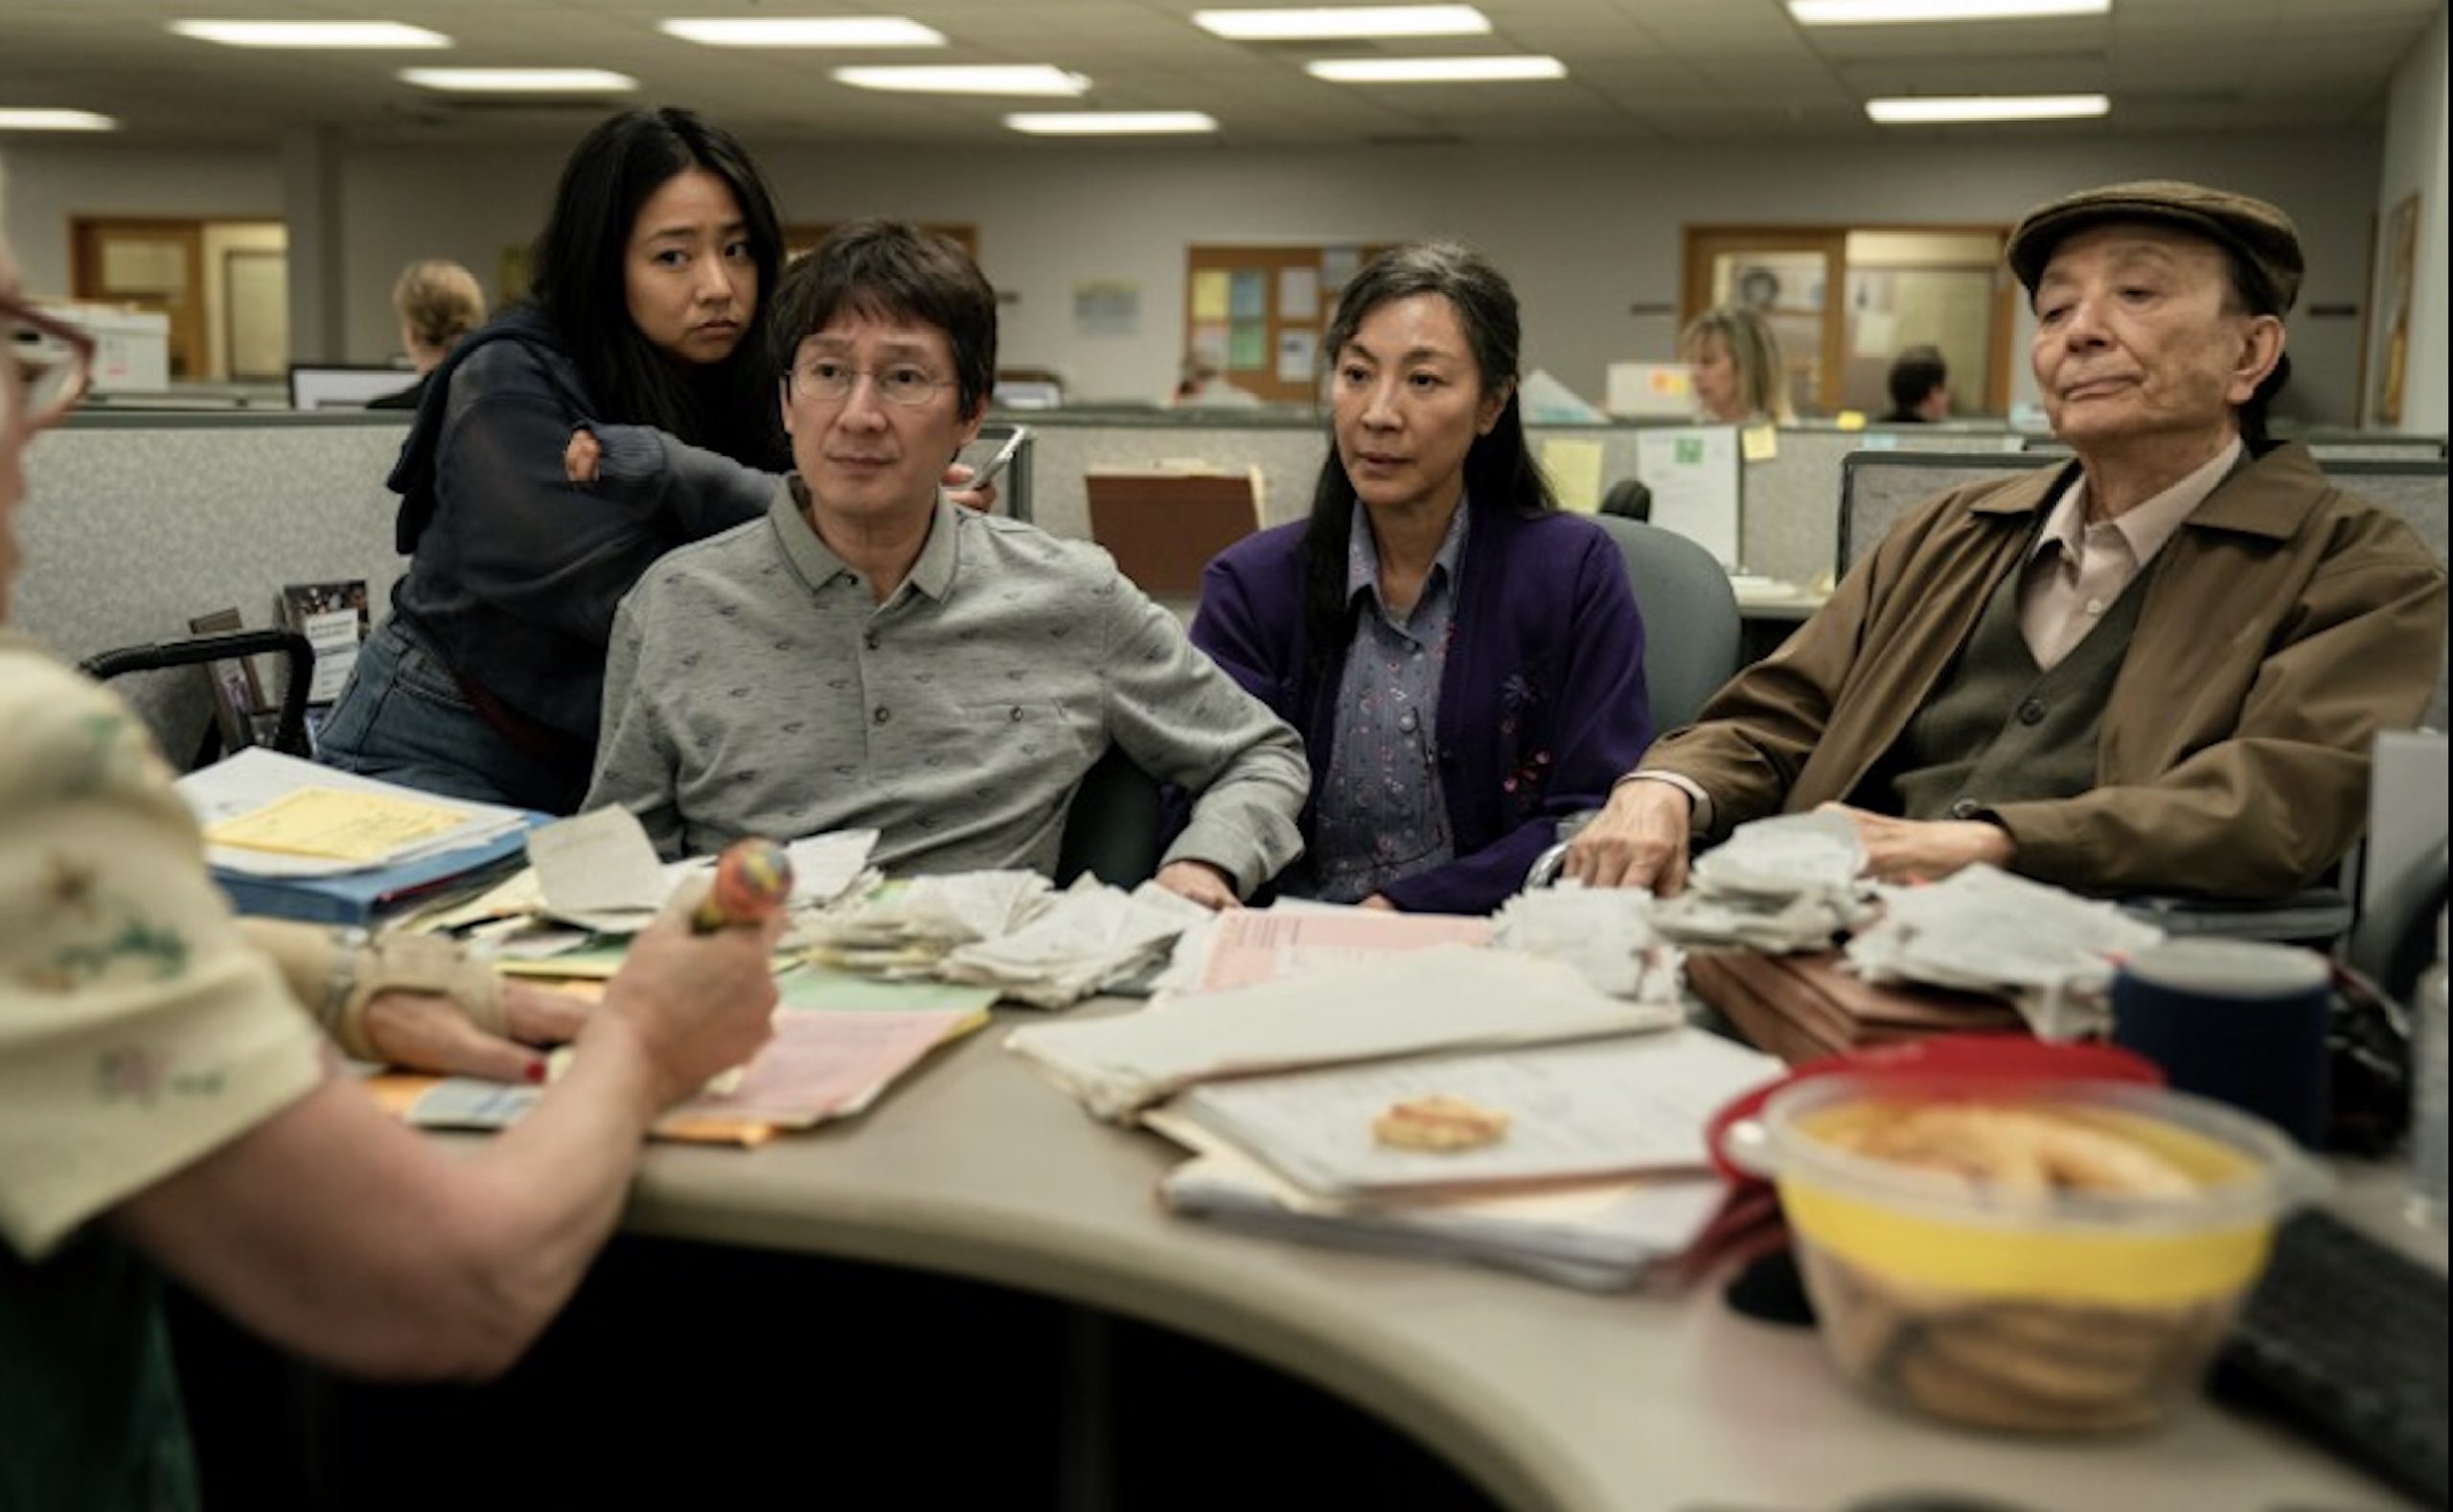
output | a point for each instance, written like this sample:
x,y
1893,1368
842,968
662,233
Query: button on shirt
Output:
x,y
2076,570
1383,814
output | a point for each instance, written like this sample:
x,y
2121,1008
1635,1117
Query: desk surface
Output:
x,y
1551,1398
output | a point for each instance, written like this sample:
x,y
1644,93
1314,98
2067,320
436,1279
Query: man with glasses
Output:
x,y
870,656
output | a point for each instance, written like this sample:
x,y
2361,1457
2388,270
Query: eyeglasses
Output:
x,y
48,363
902,384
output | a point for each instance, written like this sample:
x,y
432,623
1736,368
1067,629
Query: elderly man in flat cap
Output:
x,y
2158,668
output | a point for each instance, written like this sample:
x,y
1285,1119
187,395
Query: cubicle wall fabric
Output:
x,y
131,530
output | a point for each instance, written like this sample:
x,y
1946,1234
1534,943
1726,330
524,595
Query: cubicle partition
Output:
x,y
137,523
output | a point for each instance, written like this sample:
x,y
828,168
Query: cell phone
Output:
x,y
996,464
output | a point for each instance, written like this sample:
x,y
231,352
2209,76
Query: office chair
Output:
x,y
1628,498
289,730
1112,829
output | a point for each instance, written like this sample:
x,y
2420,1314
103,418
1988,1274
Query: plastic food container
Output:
x,y
2010,1303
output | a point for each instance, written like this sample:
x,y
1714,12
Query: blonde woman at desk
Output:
x,y
1739,376
165,1101
1465,662
438,302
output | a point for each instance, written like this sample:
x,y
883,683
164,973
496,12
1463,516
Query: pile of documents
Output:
x,y
291,839
1788,883
1010,931
2050,952
1289,1036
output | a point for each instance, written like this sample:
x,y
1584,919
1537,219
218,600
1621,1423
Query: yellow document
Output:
x,y
338,825
1759,443
1850,419
1575,468
1210,294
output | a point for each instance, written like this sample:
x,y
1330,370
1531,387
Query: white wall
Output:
x,y
1585,230
2413,164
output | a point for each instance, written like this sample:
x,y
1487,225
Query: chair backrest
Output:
x,y
2402,875
1113,829
1628,498
1690,618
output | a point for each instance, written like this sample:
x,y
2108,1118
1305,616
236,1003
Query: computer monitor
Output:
x,y
338,387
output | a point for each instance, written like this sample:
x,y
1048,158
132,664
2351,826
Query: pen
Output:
x,y
753,879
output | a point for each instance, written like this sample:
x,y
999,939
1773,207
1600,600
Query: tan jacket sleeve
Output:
x,y
137,1031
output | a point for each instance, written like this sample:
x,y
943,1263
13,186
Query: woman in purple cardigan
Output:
x,y
1465,662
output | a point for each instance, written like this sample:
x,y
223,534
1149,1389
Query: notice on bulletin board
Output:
x,y
1107,307
1297,353
1338,265
1210,342
1694,477
1209,294
1247,347
1299,294
1247,296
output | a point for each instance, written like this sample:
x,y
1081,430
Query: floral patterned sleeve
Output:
x,y
137,1032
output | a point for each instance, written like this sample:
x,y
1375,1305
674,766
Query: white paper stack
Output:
x,y
1091,935
1787,884
256,776
1604,932
1445,998
2051,953
903,930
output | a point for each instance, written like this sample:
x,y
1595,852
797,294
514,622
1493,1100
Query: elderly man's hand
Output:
x,y
1639,839
1199,881
1926,850
429,1032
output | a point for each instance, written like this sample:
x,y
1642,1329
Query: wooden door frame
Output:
x,y
188,339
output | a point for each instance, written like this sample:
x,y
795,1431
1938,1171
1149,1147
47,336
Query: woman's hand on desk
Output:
x,y
1199,881
692,1004
430,1032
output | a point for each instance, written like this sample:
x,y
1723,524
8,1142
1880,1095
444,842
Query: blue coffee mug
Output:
x,y
2242,1022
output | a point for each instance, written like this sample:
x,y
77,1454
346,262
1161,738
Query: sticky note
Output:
x,y
1759,443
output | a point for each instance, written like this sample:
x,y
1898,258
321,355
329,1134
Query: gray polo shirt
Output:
x,y
754,686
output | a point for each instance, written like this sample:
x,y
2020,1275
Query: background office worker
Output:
x,y
870,655
1465,662
1920,385
438,302
2157,668
164,1101
624,409
1739,375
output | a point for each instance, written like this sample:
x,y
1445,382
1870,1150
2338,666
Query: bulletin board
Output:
x,y
1260,312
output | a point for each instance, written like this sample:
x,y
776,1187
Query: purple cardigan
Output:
x,y
1542,705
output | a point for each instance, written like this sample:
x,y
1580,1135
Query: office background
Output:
x,y
1583,206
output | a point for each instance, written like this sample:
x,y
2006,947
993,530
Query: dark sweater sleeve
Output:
x,y
525,539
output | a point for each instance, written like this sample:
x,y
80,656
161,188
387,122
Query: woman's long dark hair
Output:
x,y
576,280
1500,472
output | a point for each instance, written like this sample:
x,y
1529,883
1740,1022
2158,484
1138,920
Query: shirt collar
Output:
x,y
1363,556
931,574
2146,528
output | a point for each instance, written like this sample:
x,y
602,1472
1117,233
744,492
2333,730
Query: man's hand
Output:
x,y
429,1032
1199,881
1637,841
982,499
1926,850
1378,901
581,457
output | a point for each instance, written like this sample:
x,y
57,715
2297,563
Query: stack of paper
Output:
x,y
1090,936
1449,998
1248,946
1604,932
1787,884
1982,930
289,838
905,928
599,872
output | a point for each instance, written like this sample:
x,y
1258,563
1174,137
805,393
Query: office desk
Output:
x,y
1552,1400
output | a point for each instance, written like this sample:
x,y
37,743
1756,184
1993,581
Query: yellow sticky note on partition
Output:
x,y
1850,419
1759,443
1575,470
335,825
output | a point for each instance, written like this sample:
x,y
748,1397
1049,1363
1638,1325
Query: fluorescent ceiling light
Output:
x,y
12,120
520,80
1111,123
1346,20
1987,108
837,31
995,78
1434,70
1886,12
332,34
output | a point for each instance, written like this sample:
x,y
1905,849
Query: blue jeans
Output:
x,y
402,717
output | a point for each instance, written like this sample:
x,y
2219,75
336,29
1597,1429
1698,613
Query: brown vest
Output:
x,y
2000,729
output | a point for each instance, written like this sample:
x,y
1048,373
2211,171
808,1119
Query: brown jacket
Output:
x,y
2285,624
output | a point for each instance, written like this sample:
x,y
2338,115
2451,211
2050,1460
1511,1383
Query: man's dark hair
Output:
x,y
576,280
1914,374
1500,472
893,270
